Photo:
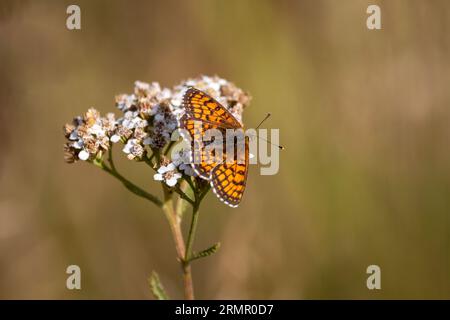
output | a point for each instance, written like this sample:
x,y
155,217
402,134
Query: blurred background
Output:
x,y
364,116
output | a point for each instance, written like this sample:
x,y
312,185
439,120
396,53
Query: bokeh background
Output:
x,y
364,116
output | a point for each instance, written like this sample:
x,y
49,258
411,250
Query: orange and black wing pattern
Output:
x,y
202,159
202,107
228,179
202,113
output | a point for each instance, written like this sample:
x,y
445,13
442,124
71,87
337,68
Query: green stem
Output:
x,y
149,161
191,184
192,230
110,159
183,195
128,184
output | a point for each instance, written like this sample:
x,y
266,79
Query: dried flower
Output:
x,y
133,149
88,136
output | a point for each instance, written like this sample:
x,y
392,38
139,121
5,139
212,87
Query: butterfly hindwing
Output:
x,y
228,179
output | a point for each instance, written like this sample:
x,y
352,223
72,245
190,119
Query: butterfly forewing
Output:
x,y
201,106
203,159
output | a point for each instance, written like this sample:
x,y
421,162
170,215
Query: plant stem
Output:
x,y
188,283
192,230
175,226
184,252
129,185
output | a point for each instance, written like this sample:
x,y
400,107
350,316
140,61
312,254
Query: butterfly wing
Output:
x,y
200,106
202,113
228,179
202,158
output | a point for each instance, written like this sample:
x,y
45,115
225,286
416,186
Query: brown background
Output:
x,y
364,179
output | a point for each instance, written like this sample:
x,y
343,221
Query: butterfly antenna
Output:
x,y
276,145
263,120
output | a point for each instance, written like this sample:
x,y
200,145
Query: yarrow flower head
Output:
x,y
88,136
147,119
147,123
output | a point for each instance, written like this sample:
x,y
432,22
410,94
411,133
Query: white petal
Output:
x,y
176,102
78,144
147,141
159,117
158,177
171,182
126,149
162,169
170,167
97,130
73,135
83,155
115,138
177,176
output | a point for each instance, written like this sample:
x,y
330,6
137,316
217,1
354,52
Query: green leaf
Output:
x,y
207,252
157,288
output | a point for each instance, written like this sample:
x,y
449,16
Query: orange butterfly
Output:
x,y
227,178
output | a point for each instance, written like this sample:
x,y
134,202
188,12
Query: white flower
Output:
x,y
140,85
133,149
83,155
130,144
97,130
164,94
115,138
125,102
167,174
165,169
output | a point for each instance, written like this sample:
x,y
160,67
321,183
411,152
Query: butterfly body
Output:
x,y
227,174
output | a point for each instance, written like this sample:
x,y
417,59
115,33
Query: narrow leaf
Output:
x,y
207,252
156,287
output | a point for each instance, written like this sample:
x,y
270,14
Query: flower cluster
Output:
x,y
148,120
88,136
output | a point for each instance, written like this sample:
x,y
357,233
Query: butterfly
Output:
x,y
228,177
